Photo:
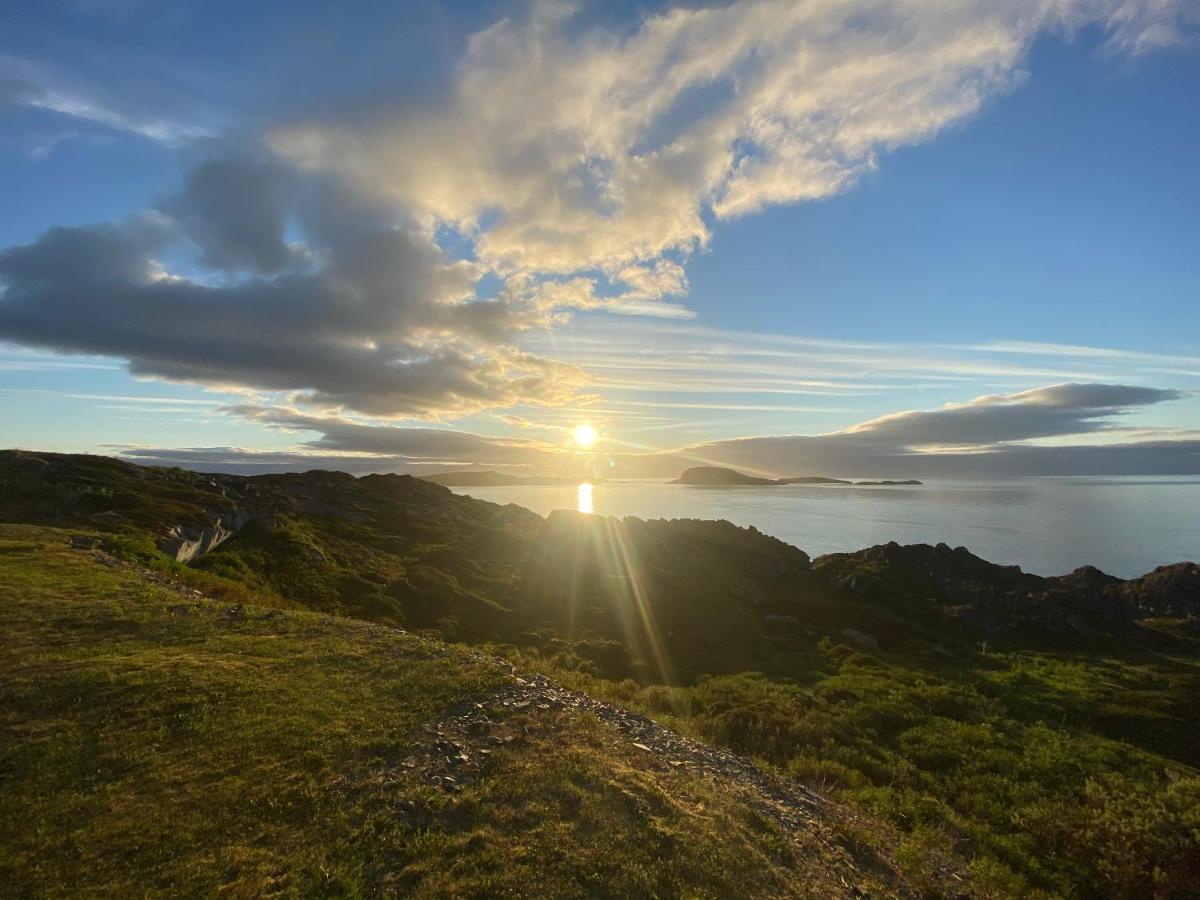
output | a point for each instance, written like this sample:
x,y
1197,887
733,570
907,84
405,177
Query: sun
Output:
x,y
585,436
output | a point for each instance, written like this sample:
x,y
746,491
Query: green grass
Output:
x,y
1047,762
154,745
1055,774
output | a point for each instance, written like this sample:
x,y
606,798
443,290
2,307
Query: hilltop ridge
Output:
x,y
286,752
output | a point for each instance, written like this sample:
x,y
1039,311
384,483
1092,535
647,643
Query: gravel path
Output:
x,y
457,742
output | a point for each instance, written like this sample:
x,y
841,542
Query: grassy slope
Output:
x,y
1054,772
1057,766
150,743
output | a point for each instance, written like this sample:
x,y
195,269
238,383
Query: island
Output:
x,y
718,476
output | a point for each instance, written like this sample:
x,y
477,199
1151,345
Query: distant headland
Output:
x,y
718,476
709,476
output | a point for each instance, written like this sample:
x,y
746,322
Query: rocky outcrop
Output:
x,y
1169,591
184,543
991,598
983,596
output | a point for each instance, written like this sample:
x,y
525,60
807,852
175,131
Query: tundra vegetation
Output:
x,y
980,730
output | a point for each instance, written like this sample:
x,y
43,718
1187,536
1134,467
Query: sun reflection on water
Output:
x,y
585,498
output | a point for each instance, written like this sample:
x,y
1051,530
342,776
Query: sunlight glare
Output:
x,y
585,498
585,436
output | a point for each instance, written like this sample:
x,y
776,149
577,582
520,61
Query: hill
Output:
x,y
159,742
1030,736
716,475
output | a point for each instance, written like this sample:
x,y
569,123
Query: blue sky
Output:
x,y
686,225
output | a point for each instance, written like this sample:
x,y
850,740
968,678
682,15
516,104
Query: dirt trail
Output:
x,y
456,748
791,804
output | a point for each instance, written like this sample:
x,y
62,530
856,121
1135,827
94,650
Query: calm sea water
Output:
x,y
1125,526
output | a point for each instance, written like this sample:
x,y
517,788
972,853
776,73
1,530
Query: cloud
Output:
x,y
955,440
1055,410
663,279
994,434
234,210
382,323
575,167
25,85
560,148
412,445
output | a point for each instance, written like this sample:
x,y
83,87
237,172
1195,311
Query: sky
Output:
x,y
838,237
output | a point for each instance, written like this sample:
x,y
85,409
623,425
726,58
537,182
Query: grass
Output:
x,y
151,744
1045,762
1056,774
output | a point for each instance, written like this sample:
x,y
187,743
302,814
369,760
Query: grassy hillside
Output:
x,y
153,742
1037,735
1055,773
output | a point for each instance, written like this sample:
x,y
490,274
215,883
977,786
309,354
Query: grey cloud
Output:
x,y
383,324
241,461
1061,409
84,259
989,434
351,447
829,456
413,445
234,209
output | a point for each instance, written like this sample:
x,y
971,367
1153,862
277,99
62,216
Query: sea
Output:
x,y
1125,526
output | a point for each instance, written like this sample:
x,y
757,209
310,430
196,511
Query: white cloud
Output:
x,y
24,84
561,149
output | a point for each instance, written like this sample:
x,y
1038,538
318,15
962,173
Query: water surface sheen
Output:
x,y
1050,525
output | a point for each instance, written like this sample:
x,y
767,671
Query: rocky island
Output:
x,y
716,475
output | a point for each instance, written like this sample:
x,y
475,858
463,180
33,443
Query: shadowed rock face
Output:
x,y
704,584
183,543
992,599
1172,591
